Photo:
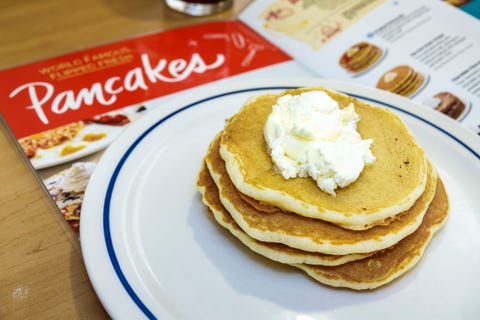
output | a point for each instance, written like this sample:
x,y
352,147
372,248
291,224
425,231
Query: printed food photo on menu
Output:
x,y
61,153
76,139
448,104
457,3
360,57
402,80
67,189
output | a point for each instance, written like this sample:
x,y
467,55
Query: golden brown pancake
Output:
x,y
384,189
274,251
310,234
412,87
360,56
395,78
385,266
407,84
402,80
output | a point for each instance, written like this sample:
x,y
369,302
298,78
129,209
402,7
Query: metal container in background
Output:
x,y
199,7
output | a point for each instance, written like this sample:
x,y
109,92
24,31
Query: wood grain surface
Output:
x,y
42,275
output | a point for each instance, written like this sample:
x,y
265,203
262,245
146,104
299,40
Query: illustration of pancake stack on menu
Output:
x,y
326,183
449,104
360,57
402,80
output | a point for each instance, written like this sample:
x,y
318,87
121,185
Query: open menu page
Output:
x,y
425,50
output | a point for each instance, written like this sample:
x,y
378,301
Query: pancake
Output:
x,y
402,80
384,189
449,104
407,84
395,78
360,56
387,265
274,251
370,60
310,234
413,86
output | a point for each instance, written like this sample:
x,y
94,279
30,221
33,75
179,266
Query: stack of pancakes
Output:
x,y
360,56
402,80
449,104
368,234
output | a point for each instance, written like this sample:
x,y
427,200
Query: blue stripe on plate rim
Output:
x,y
106,207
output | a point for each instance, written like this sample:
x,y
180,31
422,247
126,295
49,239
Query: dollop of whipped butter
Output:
x,y
309,135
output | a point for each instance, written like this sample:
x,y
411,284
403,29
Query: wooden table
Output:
x,y
42,275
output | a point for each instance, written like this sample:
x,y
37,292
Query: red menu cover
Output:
x,y
79,85
66,108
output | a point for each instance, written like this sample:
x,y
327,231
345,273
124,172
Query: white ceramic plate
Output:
x,y
151,250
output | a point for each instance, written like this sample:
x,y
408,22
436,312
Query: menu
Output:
x,y
426,50
66,110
